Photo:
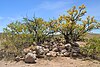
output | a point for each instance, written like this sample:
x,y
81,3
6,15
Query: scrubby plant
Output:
x,y
38,28
72,26
92,49
19,35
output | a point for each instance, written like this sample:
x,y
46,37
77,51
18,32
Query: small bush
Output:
x,y
92,49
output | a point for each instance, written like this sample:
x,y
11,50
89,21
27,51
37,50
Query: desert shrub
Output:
x,y
72,26
19,35
92,49
39,29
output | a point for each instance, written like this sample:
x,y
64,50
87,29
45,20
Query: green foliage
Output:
x,y
68,25
92,47
38,28
18,35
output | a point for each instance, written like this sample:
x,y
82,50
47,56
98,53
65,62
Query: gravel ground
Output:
x,y
56,62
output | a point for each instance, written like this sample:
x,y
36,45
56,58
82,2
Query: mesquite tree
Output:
x,y
38,28
72,27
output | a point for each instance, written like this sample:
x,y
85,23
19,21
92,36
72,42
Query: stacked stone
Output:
x,y
52,49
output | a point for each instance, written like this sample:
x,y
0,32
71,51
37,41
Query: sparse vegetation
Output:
x,y
36,32
92,49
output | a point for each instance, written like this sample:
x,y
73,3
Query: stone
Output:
x,y
39,50
54,54
48,55
75,54
67,46
62,55
58,54
17,59
38,47
75,44
26,50
66,54
34,52
55,49
61,48
30,58
32,48
46,50
63,51
76,50
61,44
51,54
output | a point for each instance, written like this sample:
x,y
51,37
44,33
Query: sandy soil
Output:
x,y
56,62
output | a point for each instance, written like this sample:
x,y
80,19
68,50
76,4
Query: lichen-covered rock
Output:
x,y
30,58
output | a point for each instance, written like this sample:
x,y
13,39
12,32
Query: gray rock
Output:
x,y
48,54
75,49
61,48
63,51
75,54
46,50
66,54
34,52
55,49
51,54
30,58
39,50
67,46
54,54
62,55
17,59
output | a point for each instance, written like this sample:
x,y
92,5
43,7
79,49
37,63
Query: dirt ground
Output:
x,y
56,62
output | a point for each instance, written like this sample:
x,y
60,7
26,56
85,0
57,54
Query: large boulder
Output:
x,y
30,58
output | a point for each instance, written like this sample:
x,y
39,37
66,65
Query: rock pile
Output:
x,y
53,49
